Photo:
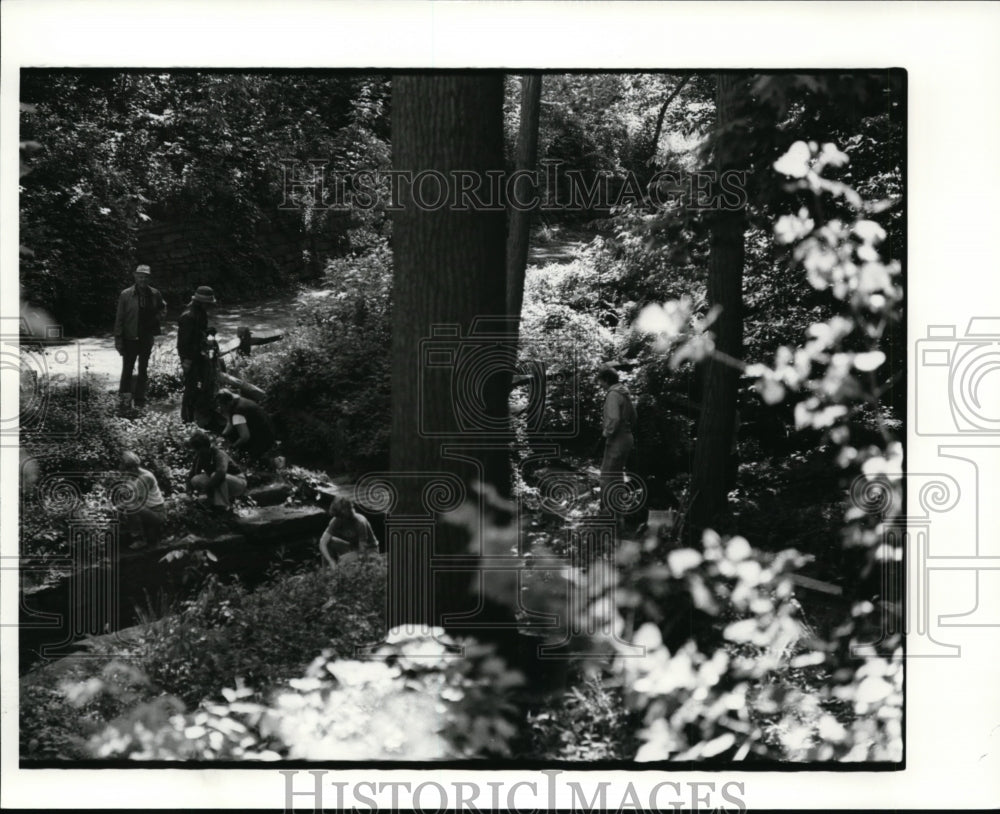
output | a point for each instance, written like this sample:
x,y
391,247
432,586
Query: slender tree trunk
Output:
x,y
449,271
519,217
655,145
725,288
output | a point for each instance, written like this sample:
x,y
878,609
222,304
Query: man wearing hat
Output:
x,y
192,347
137,322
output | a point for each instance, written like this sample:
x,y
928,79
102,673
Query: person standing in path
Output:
x,y
192,348
137,323
619,418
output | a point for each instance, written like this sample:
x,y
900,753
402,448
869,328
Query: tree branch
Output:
x,y
663,112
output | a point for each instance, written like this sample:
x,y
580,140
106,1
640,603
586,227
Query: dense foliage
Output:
x,y
706,647
116,151
224,633
328,381
78,477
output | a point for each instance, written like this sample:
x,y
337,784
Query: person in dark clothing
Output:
x,y
214,473
206,412
192,348
137,322
619,418
249,425
248,341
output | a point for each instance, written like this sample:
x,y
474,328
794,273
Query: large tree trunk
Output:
x,y
519,217
449,270
725,288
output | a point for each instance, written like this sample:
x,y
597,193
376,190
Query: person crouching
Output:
x,y
347,532
214,473
144,510
248,425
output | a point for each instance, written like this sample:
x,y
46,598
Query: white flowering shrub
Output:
x,y
772,688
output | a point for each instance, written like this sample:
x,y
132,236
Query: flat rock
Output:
x,y
123,637
270,523
272,494
226,538
326,491
221,539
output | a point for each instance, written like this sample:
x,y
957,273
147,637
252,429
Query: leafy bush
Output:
x,y
417,700
67,424
267,635
705,700
329,379
78,476
50,728
562,330
165,376
116,150
60,711
68,454
589,722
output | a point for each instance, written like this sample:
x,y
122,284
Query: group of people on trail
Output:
x,y
141,309
246,427
240,421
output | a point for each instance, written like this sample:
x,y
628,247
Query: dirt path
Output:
x,y
277,314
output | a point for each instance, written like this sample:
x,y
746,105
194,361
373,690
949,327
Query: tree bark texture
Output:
x,y
450,390
713,447
526,161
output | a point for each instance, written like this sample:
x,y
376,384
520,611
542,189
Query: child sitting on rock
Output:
x,y
143,507
347,532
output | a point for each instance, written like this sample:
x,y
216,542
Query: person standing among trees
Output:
x,y
192,348
616,429
137,323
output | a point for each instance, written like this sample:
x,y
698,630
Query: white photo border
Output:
x,y
949,52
